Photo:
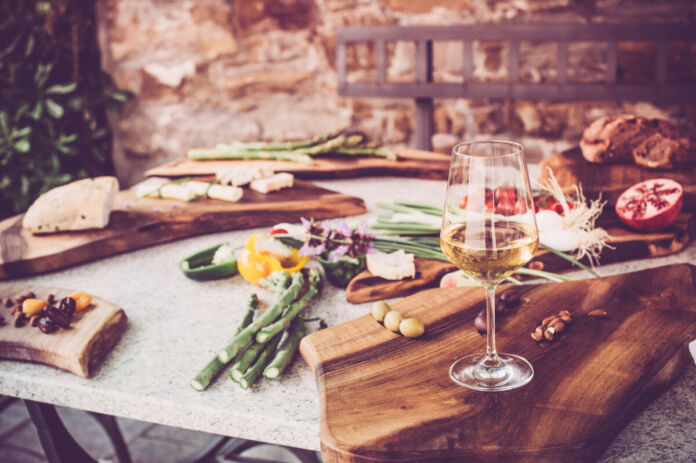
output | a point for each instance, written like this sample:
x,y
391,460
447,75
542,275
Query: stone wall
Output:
x,y
209,71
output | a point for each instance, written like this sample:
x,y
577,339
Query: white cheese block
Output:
x,y
198,188
243,174
177,191
274,183
225,193
395,266
80,205
150,187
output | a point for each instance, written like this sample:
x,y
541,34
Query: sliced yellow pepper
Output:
x,y
254,265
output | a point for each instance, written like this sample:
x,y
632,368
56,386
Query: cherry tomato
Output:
x,y
489,206
463,202
277,231
506,206
502,194
557,208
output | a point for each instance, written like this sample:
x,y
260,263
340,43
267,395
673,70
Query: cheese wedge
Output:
x,y
243,174
274,183
80,205
395,266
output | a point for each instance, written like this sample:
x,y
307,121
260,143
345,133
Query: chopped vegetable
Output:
x,y
286,351
209,265
261,256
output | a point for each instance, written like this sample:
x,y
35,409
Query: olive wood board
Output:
x,y
570,168
137,223
79,349
627,244
411,163
385,397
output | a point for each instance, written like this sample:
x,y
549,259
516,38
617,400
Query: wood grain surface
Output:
x,y
411,163
137,223
79,349
385,397
627,245
570,168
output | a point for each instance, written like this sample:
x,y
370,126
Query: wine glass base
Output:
x,y
513,372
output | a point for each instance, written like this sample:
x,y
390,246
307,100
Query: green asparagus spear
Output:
x,y
269,331
285,146
246,336
245,360
206,375
230,152
366,151
276,281
286,351
253,373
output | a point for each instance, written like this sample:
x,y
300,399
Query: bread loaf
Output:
x,y
79,205
653,143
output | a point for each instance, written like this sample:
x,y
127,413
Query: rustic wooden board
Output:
x,y
385,397
411,163
79,349
628,245
137,223
570,168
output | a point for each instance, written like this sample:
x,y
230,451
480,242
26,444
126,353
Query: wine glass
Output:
x,y
489,231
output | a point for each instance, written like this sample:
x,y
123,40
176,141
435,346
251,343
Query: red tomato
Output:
x,y
557,208
278,231
503,194
521,206
490,207
506,206
463,202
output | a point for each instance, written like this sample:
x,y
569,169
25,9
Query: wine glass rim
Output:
x,y
517,148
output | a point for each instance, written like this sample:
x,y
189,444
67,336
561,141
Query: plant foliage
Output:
x,y
54,99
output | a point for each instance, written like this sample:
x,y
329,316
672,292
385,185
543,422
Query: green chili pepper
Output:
x,y
199,266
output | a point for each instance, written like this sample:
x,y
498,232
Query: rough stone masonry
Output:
x,y
211,71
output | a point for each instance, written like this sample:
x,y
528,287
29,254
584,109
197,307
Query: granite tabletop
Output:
x,y
174,329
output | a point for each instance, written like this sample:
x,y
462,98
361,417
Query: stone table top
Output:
x,y
176,325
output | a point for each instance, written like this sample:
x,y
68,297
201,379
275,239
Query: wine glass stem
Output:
x,y
491,359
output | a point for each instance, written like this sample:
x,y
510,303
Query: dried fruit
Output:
x,y
411,327
60,317
32,306
7,302
598,313
67,304
20,320
538,333
46,325
511,298
82,300
650,205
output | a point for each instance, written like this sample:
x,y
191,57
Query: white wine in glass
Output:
x,y
489,231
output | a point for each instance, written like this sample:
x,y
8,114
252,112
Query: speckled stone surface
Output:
x,y
176,325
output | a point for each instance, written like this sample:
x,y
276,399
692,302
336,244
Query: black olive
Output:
x,y
511,298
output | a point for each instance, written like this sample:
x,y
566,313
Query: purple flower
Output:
x,y
307,224
342,228
338,252
307,250
362,229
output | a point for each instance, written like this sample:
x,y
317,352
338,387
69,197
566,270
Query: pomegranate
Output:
x,y
650,205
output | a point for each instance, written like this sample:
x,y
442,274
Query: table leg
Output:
x,y
110,425
231,453
58,444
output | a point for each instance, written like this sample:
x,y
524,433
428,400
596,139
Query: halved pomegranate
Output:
x,y
650,205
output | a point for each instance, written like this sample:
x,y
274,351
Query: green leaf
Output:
x,y
121,96
78,102
3,124
23,108
30,46
63,139
37,111
61,89
42,74
22,145
54,109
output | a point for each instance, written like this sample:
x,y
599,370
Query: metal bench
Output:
x,y
423,90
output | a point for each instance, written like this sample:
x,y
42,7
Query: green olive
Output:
x,y
411,327
379,310
392,320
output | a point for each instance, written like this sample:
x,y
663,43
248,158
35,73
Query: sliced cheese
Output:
x,y
198,188
80,205
274,183
177,191
395,266
225,193
243,174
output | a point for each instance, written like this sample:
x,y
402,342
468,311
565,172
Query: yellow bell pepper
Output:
x,y
254,265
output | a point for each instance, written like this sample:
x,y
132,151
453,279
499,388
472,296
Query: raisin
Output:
x,y
7,302
47,325
67,304
60,317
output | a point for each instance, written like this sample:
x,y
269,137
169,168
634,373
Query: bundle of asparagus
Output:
x,y
256,347
342,142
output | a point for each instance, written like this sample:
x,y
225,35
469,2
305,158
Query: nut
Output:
x,y
7,302
548,334
536,265
565,316
548,321
29,295
51,299
20,320
598,313
34,319
538,334
558,326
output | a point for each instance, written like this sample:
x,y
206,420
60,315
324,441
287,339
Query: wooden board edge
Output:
x,y
102,342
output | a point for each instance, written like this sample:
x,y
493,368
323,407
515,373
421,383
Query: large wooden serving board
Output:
x,y
411,163
136,223
627,245
570,168
79,349
385,397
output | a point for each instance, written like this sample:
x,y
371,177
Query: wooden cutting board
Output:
x,y
137,223
411,163
79,349
570,168
628,245
385,397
